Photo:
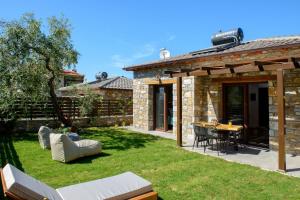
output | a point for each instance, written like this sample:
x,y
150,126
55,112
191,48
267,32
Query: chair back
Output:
x,y
63,148
200,131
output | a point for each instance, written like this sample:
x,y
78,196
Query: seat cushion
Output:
x,y
122,186
88,147
26,187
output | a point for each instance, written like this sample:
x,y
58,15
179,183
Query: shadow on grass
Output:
x,y
119,139
8,154
25,136
89,159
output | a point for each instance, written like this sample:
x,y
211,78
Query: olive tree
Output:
x,y
32,57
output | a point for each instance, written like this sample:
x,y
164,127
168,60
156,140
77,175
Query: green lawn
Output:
x,y
174,172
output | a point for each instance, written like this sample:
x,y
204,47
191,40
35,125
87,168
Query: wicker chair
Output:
x,y
202,136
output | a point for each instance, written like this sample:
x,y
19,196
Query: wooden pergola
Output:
x,y
275,65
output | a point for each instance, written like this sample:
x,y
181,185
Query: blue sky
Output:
x,y
112,34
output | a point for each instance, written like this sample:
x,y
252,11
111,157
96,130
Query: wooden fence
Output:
x,y
71,109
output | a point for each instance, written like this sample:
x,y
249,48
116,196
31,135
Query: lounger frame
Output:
x,y
147,196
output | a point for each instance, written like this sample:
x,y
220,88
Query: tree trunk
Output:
x,y
57,108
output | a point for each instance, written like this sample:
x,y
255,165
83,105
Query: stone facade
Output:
x,y
202,97
292,108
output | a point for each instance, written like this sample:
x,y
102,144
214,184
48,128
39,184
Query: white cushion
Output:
x,y
122,186
88,147
27,187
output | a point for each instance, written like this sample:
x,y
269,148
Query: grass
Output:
x,y
174,172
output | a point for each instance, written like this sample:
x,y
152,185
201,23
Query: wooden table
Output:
x,y
222,128
219,127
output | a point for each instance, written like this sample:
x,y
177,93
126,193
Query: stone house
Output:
x,y
256,82
70,77
109,88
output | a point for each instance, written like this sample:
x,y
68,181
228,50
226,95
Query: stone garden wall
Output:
x,y
34,125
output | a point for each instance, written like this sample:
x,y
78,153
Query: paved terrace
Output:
x,y
262,158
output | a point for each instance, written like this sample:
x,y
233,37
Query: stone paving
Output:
x,y
263,158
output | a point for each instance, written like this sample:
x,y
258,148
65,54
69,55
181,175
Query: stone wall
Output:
x,y
188,102
105,93
292,108
34,125
142,105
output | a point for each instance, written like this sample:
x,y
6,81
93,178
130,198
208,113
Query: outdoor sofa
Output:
x,y
19,186
63,149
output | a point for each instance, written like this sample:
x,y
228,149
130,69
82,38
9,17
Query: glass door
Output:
x,y
234,103
163,107
159,107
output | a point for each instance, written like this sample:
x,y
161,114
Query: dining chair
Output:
x,y
201,135
220,138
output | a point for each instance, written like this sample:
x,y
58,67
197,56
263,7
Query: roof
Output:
x,y
119,82
266,43
72,73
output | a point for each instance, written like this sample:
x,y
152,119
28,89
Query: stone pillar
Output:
x,y
188,89
142,105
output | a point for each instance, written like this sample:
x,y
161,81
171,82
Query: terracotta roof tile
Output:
x,y
118,82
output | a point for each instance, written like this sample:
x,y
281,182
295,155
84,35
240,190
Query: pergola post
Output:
x,y
179,111
281,120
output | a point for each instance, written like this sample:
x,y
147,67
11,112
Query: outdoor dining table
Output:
x,y
221,128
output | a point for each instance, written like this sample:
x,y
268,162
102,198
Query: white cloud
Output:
x,y
122,61
171,37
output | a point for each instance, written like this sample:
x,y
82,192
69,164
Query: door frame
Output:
x,y
155,88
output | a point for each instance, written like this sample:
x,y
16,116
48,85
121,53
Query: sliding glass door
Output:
x,y
163,107
159,107
234,104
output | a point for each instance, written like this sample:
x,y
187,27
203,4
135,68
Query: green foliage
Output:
x,y
124,105
87,100
30,58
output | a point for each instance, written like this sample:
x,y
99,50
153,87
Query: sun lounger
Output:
x,y
19,186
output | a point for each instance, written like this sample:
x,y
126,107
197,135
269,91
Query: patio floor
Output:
x,y
263,158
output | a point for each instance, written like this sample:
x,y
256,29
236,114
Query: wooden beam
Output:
x,y
147,196
267,62
160,81
281,120
179,111
221,71
254,68
199,73
245,79
240,69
